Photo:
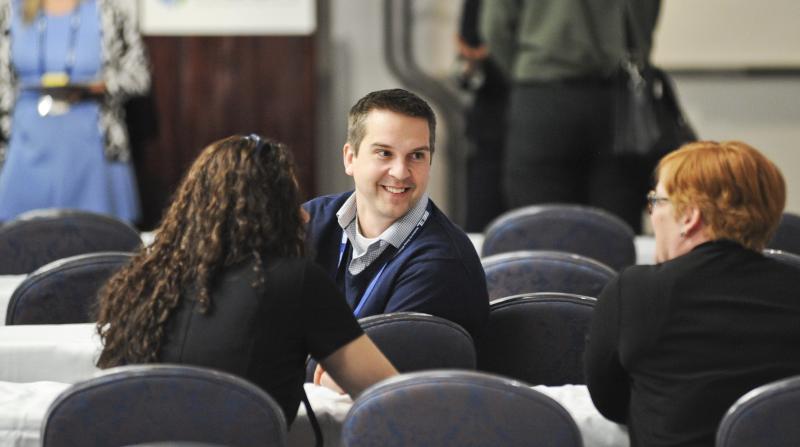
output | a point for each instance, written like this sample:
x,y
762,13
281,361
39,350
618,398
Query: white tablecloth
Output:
x,y
54,356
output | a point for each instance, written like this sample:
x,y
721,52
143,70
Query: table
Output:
x,y
38,362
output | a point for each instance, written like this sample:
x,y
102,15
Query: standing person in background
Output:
x,y
485,122
65,73
562,57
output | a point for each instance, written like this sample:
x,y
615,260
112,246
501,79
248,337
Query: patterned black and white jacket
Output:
x,y
125,71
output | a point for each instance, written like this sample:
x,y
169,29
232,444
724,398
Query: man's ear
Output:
x,y
347,158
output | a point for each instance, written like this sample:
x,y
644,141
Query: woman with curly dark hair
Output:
x,y
225,284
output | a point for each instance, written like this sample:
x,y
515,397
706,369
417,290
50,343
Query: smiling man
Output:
x,y
386,244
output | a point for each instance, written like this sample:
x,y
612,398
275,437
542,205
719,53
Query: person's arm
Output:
x,y
498,27
354,367
128,70
606,378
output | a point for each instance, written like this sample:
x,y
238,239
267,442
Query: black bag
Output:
x,y
648,119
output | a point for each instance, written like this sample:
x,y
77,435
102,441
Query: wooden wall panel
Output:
x,y
206,88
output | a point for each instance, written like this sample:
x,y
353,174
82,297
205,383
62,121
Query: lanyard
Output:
x,y
374,281
74,26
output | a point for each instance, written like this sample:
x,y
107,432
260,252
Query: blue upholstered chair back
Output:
x,y
457,408
63,291
765,417
538,338
787,236
518,272
414,342
37,238
783,256
582,230
150,403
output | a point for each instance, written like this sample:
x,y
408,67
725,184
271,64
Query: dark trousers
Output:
x,y
486,131
559,150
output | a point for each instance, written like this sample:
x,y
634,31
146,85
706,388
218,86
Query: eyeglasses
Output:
x,y
653,199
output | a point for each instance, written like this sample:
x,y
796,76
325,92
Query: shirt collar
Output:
x,y
397,231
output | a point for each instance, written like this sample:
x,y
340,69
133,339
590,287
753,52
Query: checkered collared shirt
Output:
x,y
394,235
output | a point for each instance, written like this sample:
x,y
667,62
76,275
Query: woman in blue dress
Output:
x,y
65,73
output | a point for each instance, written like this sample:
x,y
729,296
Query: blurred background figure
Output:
x,y
562,57
485,121
65,74
673,345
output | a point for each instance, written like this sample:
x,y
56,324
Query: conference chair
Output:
x,y
63,291
783,256
530,271
582,230
415,341
158,403
538,338
787,236
38,237
766,417
457,408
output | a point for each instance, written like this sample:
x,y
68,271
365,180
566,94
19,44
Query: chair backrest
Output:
x,y
63,291
518,272
582,230
787,236
415,342
457,408
37,238
764,417
783,256
538,338
150,403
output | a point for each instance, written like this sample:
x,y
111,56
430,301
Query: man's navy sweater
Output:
x,y
437,273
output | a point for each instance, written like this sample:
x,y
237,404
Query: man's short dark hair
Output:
x,y
395,100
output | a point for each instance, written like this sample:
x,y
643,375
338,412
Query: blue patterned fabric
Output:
x,y
764,417
533,271
538,338
457,408
582,230
38,238
64,291
140,404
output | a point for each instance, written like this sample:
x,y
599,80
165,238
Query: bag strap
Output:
x,y
312,418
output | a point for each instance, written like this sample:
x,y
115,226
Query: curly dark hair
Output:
x,y
238,201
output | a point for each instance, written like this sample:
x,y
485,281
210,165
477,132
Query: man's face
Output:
x,y
391,169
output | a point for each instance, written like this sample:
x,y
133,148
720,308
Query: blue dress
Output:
x,y
58,160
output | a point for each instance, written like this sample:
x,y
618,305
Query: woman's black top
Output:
x,y
264,333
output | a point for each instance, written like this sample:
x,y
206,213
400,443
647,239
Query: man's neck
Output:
x,y
371,227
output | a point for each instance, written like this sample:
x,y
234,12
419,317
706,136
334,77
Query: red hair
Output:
x,y
740,193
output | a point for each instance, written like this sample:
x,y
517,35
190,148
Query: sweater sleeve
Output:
x,y
607,380
128,70
498,27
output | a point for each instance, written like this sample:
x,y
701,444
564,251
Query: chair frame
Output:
x,y
752,400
